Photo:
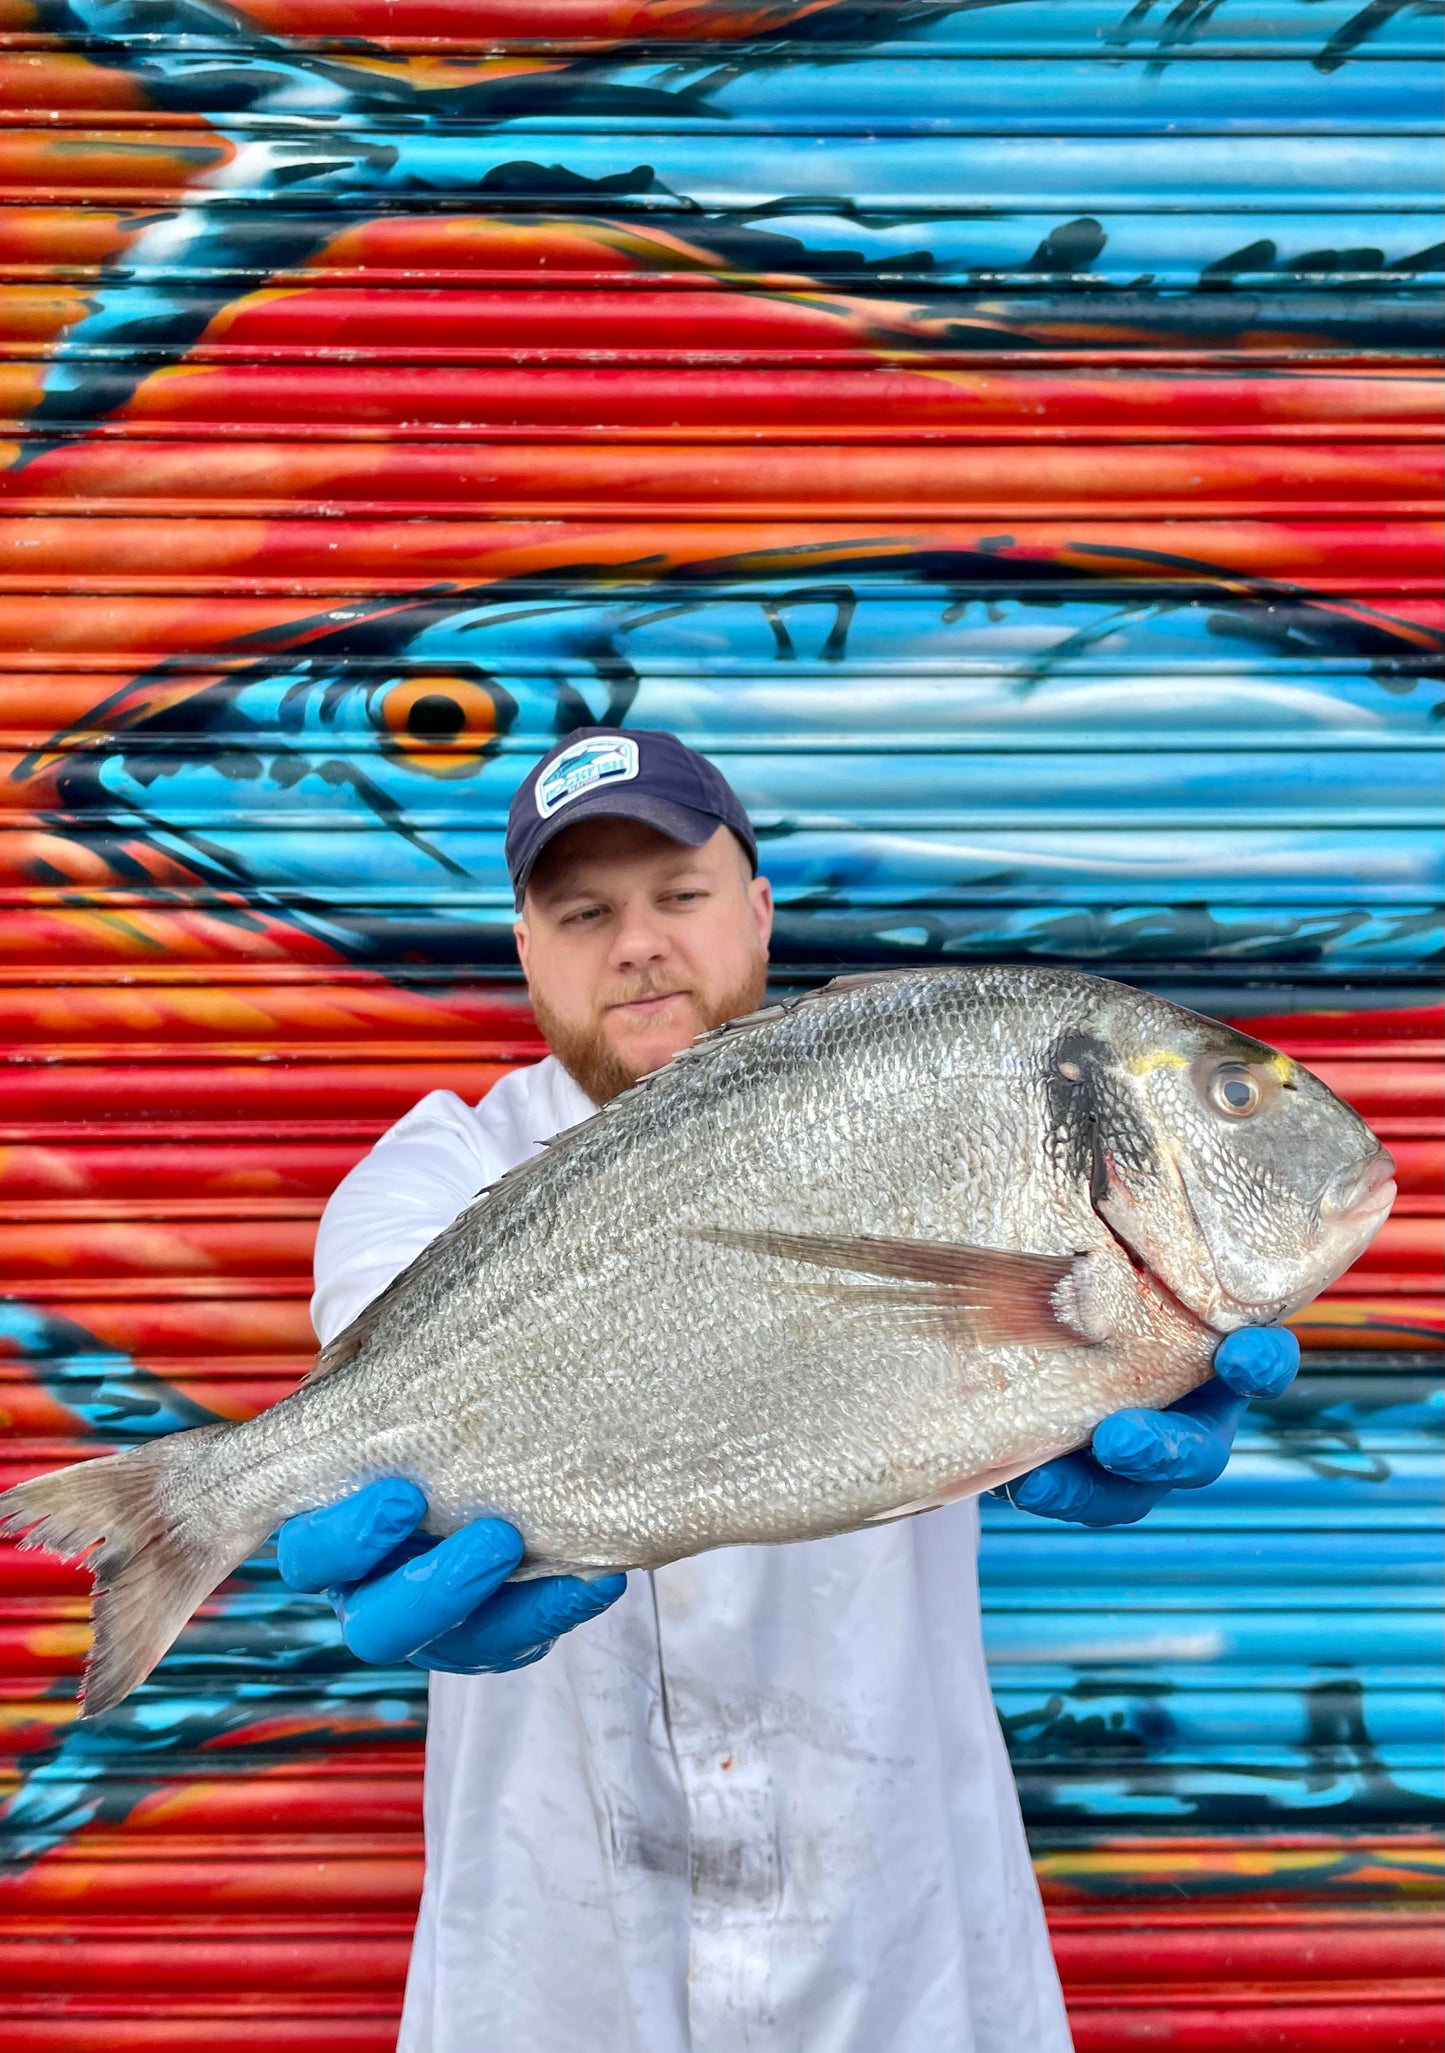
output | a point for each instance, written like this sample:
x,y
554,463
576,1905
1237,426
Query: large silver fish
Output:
x,y
859,1254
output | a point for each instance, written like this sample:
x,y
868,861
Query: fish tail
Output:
x,y
153,1561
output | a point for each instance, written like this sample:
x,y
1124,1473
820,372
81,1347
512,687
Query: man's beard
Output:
x,y
591,1061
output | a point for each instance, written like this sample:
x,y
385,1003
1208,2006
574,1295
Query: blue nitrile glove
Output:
x,y
1137,1457
403,1596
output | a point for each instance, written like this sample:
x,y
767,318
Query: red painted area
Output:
x,y
1390,558
1108,1950
1338,2023
898,400
269,1879
356,1957
291,2025
555,23
366,478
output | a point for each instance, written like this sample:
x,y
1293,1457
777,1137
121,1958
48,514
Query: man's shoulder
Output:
x,y
521,1110
433,1161
440,1119
528,1106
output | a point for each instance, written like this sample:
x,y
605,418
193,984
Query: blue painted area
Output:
x,y
853,864
1266,1647
1165,72
1249,1716
861,167
1324,32
107,1394
163,1736
1215,179
1250,1561
1276,800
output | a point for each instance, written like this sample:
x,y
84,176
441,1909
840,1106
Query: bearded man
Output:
x,y
763,1805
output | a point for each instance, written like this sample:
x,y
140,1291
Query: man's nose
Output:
x,y
640,938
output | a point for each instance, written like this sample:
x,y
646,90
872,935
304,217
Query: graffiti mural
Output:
x,y
349,782
1005,434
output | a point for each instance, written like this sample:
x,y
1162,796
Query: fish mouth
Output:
x,y
1351,1213
1361,1192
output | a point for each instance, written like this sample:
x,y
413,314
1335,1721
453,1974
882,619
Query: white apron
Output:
x,y
762,1805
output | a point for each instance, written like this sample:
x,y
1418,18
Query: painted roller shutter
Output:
x,y
1006,436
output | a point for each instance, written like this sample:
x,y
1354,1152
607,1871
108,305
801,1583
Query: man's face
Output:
x,y
633,945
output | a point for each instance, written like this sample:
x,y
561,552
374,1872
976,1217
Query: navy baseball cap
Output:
x,y
600,773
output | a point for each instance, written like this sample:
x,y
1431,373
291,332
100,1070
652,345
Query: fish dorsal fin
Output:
x,y
984,1296
704,1044
352,1339
782,1008
855,979
344,1348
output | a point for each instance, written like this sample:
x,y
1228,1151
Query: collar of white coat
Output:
x,y
529,1106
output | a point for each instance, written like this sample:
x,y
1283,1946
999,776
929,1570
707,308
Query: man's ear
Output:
x,y
760,898
519,935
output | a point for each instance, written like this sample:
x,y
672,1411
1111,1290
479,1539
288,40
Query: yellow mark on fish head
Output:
x,y
1271,1063
1157,1058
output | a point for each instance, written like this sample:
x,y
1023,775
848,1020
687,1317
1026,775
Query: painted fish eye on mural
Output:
x,y
1001,442
444,724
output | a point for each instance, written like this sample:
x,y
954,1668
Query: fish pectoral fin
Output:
x,y
984,1296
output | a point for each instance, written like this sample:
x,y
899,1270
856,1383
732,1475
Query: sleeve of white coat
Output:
x,y
421,1173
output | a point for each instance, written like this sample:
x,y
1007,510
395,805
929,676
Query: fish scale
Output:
x,y
879,1247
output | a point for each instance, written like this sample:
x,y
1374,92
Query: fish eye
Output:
x,y
1233,1091
445,724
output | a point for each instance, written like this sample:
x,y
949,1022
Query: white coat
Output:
x,y
762,1805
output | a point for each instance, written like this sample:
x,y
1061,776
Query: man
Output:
x,y
763,1805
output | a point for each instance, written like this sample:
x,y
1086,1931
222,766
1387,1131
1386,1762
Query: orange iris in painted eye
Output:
x,y
443,724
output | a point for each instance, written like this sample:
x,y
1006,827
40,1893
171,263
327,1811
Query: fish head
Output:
x,y
1228,1170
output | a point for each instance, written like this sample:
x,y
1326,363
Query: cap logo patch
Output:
x,y
582,768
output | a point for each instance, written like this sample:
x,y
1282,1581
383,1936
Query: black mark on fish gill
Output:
x,y
1091,1120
